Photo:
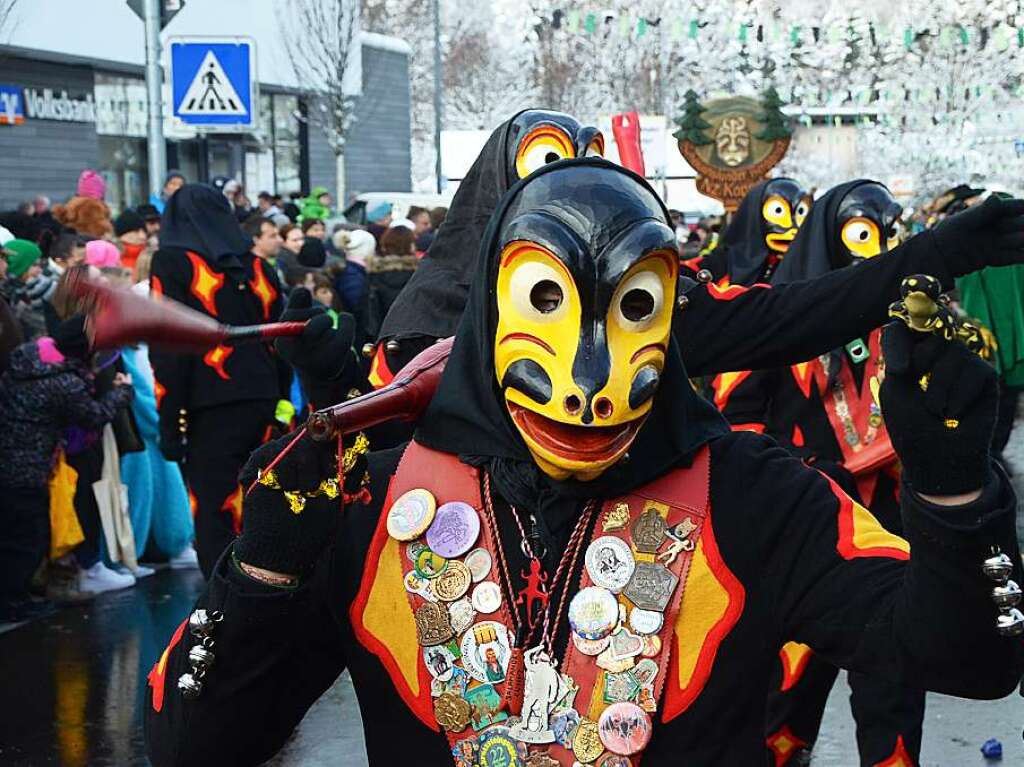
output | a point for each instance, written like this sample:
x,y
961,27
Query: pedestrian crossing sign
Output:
x,y
213,83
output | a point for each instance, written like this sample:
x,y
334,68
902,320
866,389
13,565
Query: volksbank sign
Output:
x,y
44,104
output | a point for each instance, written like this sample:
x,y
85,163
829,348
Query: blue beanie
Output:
x,y
378,211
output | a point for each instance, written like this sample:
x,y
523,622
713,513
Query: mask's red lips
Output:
x,y
587,444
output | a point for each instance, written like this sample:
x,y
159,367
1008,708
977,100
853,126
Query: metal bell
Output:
x,y
1007,594
704,275
200,656
201,622
683,301
1010,623
998,567
189,686
392,346
368,350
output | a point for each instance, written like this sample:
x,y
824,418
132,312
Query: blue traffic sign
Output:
x,y
213,83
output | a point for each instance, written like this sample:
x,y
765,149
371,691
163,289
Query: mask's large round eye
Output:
x,y
538,292
596,147
544,144
776,211
640,299
861,237
893,235
802,209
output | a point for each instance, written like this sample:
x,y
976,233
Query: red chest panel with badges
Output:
x,y
519,706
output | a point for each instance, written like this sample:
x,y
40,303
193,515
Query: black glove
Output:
x,y
321,353
172,447
939,402
273,536
990,234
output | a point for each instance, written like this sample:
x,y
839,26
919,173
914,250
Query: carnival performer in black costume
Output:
x,y
826,411
564,364
759,234
717,328
215,408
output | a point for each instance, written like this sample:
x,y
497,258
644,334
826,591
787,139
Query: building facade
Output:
x,y
74,101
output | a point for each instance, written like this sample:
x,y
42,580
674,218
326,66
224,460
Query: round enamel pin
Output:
x,y
624,728
646,621
479,563
486,651
486,597
411,515
454,530
429,565
610,562
593,612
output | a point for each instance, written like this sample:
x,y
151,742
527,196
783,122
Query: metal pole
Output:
x,y
437,93
154,97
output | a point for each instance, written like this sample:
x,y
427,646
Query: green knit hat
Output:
x,y
20,255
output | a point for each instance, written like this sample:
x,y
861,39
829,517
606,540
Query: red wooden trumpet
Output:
x,y
405,398
116,317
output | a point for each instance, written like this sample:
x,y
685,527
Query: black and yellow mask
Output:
x,y
537,138
868,221
848,224
785,205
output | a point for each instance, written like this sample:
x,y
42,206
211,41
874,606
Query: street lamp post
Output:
x,y
154,97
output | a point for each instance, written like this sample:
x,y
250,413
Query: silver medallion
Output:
x,y
651,586
610,563
542,690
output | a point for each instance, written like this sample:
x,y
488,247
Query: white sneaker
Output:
x,y
186,560
100,578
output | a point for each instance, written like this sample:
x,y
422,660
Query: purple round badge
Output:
x,y
454,530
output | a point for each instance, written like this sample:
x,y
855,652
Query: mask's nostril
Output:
x,y
603,407
573,405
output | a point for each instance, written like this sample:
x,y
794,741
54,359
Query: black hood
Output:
x,y
199,218
818,248
434,298
746,251
599,203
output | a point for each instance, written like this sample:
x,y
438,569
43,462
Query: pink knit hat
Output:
x,y
101,253
91,184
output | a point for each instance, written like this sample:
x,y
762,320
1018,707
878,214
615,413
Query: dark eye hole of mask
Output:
x,y
552,157
546,296
637,305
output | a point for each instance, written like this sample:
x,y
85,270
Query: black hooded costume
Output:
x,y
743,255
215,408
775,558
824,411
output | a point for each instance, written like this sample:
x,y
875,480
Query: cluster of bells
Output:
x,y
201,624
1006,594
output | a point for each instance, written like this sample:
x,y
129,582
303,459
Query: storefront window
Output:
x,y
121,114
286,144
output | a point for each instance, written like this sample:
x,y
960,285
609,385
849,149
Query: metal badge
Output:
x,y
453,583
454,530
646,621
440,662
496,749
411,515
610,562
541,759
616,518
620,687
432,624
589,646
649,531
462,614
485,705
486,597
564,725
586,744
429,564
651,586
540,693
452,712
457,683
479,563
416,585
652,646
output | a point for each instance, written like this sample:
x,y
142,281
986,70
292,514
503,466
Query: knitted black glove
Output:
x,y
321,353
990,234
273,536
939,402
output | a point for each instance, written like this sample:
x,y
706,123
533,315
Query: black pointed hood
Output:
x,y
599,201
199,218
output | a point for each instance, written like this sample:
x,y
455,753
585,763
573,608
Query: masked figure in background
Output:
x,y
215,408
563,425
827,412
759,233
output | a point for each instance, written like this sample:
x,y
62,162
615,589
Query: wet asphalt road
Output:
x,y
71,689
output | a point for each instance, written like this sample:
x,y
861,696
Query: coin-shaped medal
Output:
x,y
486,597
453,583
593,612
452,712
610,563
479,563
454,530
411,515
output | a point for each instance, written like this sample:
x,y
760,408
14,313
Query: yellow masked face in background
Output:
x,y
869,221
578,355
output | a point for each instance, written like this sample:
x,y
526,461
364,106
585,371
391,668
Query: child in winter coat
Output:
x,y
46,387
